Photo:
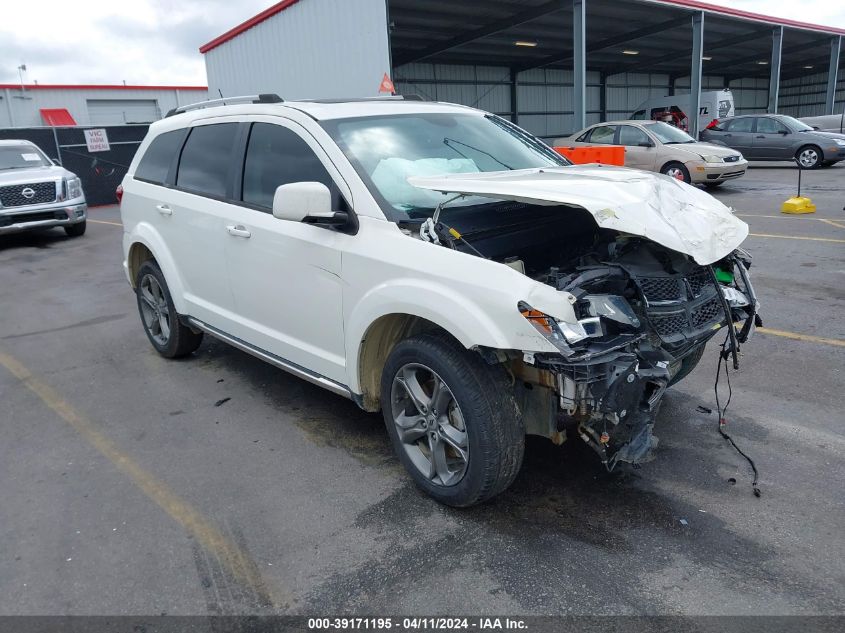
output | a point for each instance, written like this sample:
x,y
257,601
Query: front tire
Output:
x,y
676,170
161,322
809,157
76,230
452,420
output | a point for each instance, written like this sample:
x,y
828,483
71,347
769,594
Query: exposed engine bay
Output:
x,y
644,313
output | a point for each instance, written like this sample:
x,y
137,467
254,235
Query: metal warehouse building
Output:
x,y
550,65
41,104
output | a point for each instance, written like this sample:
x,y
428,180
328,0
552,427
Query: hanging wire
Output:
x,y
721,411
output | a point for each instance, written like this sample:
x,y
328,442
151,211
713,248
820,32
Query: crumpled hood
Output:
x,y
653,206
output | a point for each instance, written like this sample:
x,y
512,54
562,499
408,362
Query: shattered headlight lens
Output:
x,y
561,331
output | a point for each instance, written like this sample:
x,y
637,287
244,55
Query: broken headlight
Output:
x,y
735,298
562,332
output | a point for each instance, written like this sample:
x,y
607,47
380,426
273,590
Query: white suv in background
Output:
x,y
437,263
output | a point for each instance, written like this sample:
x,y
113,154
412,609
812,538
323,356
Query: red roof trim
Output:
x,y
97,87
748,15
244,26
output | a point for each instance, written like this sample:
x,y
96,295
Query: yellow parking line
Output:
x,y
798,237
104,222
790,217
233,558
837,342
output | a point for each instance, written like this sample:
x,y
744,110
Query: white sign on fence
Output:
x,y
97,140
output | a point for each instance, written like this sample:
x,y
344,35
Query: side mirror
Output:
x,y
816,128
297,201
645,144
784,132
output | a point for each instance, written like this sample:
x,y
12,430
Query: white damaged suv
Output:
x,y
439,264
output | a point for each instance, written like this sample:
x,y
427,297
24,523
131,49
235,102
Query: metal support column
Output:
x,y
774,66
603,96
514,96
833,69
695,71
579,61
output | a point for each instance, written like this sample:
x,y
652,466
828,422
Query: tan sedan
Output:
x,y
658,146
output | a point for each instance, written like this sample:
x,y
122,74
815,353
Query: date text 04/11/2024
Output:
x,y
416,624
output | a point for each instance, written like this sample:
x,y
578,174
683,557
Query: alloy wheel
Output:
x,y
154,310
430,424
808,157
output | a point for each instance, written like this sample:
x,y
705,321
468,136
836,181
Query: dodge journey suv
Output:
x,y
36,194
438,264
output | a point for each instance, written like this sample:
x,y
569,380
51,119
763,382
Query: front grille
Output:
x,y
42,192
707,313
36,216
669,325
698,280
661,288
681,306
731,159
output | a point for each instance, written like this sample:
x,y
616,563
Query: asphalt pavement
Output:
x,y
130,484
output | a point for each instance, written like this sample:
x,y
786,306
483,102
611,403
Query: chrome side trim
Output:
x,y
276,361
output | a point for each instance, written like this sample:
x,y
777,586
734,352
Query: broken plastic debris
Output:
x,y
684,522
221,401
704,409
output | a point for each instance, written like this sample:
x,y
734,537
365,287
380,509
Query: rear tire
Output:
x,y
76,230
452,420
161,322
809,157
688,364
676,170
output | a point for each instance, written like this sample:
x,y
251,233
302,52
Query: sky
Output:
x,y
157,41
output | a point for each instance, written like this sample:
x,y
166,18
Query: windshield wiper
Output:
x,y
447,141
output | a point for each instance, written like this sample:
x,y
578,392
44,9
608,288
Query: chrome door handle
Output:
x,y
238,230
164,209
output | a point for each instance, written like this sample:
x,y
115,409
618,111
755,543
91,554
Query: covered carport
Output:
x,y
554,66
550,65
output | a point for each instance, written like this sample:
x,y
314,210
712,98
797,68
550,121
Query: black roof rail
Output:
x,y
260,98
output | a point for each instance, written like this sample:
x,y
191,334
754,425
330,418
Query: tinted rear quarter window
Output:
x,y
277,156
206,158
155,163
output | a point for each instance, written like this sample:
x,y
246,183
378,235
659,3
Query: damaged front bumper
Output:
x,y
607,389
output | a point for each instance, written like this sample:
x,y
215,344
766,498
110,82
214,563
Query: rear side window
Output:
x,y
603,135
155,164
276,156
740,125
205,161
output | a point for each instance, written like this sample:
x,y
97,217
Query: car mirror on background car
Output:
x,y
645,144
297,201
